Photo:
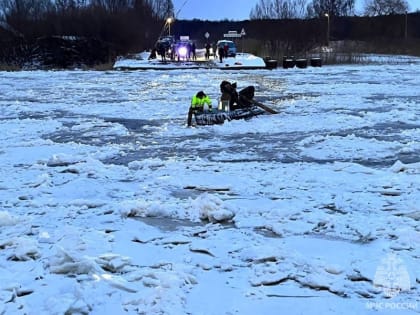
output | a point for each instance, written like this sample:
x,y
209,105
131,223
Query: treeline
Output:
x,y
289,9
125,24
296,36
76,31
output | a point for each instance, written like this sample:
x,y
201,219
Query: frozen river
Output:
x,y
367,107
105,192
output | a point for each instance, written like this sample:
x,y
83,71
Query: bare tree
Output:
x,y
28,9
262,10
64,5
302,8
112,5
162,8
333,7
385,7
279,9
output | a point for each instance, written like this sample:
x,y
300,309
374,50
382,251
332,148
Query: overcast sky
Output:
x,y
216,10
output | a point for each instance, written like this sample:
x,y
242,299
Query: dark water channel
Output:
x,y
141,143
307,95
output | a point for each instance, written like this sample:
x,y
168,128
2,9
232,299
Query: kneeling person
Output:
x,y
198,103
243,99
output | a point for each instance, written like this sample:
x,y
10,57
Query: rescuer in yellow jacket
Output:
x,y
197,104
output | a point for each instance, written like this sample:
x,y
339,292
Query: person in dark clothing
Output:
x,y
229,93
207,51
189,47
221,52
162,52
246,96
193,50
173,49
237,100
153,54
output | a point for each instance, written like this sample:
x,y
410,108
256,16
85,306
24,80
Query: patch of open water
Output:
x,y
141,142
282,148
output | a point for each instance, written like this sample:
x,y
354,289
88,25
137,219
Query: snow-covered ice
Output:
x,y
111,205
142,61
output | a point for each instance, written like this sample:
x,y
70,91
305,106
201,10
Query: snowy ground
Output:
x,y
240,61
111,205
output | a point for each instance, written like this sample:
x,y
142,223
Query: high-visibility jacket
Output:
x,y
198,103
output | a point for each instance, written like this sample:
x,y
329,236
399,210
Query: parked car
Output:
x,y
165,43
231,47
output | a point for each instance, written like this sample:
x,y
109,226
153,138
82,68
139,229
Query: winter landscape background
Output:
x,y
111,205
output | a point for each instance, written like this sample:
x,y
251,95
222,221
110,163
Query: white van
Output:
x,y
231,47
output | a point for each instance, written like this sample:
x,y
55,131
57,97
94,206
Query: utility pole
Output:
x,y
328,28
169,21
